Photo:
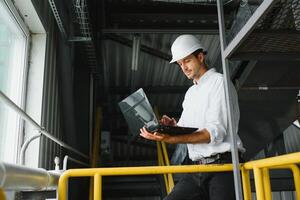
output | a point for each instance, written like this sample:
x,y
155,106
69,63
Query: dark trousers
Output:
x,y
205,186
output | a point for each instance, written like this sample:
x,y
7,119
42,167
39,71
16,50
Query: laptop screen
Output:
x,y
138,112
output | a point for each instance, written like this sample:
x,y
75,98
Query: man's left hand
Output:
x,y
156,136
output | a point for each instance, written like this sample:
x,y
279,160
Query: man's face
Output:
x,y
190,66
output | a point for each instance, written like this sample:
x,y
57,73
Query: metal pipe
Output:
x,y
24,147
27,118
232,132
61,143
65,162
17,177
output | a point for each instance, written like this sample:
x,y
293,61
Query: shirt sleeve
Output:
x,y
182,119
216,116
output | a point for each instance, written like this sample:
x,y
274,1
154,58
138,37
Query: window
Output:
x,y
13,56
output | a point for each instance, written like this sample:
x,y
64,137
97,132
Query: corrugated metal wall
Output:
x,y
51,110
292,139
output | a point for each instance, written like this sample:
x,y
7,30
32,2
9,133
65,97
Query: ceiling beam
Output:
x,y
161,31
153,89
144,48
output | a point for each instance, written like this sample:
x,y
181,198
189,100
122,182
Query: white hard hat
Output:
x,y
183,46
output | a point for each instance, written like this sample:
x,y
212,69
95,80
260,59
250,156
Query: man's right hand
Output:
x,y
165,120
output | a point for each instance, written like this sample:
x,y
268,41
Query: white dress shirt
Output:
x,y
204,106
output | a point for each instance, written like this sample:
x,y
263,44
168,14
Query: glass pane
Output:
x,y
12,67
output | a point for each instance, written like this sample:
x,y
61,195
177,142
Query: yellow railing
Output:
x,y
2,195
96,145
163,160
97,173
261,174
260,167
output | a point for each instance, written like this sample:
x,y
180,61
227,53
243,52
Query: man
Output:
x,y
204,107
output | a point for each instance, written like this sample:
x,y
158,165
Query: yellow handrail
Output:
x,y
260,168
286,159
163,159
162,163
246,184
96,146
123,171
267,184
262,179
296,174
167,163
2,195
259,187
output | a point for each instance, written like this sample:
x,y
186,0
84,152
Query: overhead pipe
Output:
x,y
21,178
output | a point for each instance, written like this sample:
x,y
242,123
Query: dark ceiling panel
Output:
x,y
164,15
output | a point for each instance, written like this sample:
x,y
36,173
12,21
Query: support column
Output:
x,y
233,138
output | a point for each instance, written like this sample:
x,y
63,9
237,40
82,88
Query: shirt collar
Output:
x,y
204,76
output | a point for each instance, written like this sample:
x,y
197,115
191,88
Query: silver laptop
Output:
x,y
138,113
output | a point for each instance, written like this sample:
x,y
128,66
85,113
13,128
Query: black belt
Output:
x,y
217,158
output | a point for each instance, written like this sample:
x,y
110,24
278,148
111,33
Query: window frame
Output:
x,y
15,16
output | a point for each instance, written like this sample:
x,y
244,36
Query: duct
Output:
x,y
20,178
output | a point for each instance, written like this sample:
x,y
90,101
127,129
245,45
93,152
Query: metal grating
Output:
x,y
276,36
285,14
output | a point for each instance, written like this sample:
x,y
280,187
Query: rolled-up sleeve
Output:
x,y
216,116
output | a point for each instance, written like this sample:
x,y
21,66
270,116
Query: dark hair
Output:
x,y
195,53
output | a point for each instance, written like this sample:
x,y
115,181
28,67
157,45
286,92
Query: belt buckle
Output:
x,y
205,161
